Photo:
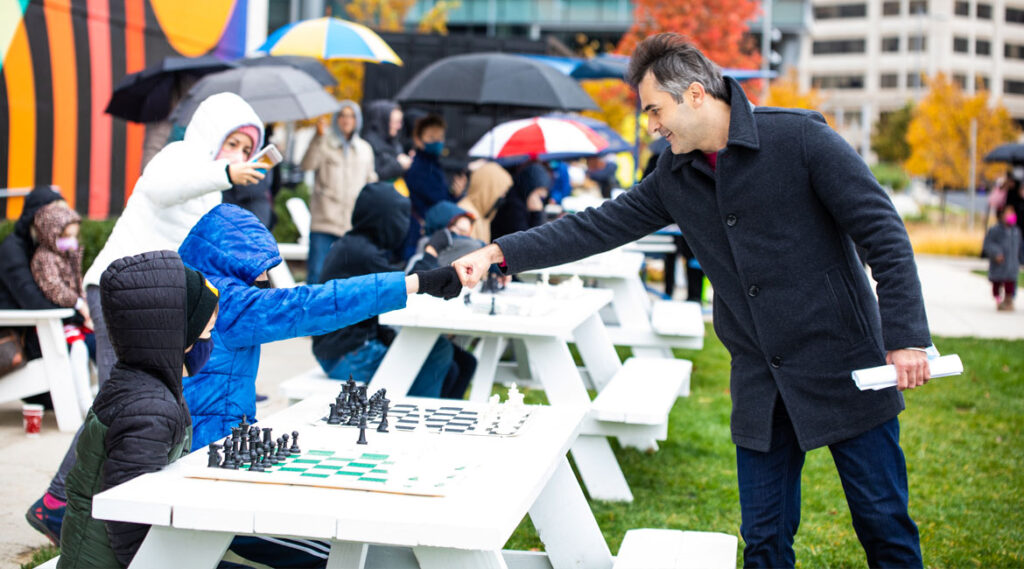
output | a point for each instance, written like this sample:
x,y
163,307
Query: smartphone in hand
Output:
x,y
267,158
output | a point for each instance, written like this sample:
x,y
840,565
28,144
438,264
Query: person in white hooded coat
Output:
x,y
179,185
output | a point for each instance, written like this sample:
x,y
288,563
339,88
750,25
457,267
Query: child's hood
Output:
x,y
381,214
50,222
143,299
378,117
441,215
230,242
217,117
34,201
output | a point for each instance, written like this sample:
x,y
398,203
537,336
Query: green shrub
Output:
x,y
284,230
891,175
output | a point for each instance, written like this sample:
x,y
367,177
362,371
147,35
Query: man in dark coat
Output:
x,y
772,201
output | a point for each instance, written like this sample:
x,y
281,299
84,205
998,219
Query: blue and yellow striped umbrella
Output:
x,y
330,38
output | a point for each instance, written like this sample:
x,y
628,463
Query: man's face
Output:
x,y
676,122
432,134
347,121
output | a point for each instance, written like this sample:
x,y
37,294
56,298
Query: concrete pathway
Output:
x,y
960,303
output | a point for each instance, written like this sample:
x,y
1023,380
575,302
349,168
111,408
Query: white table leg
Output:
x,y
487,353
171,548
633,309
403,361
347,555
58,372
597,465
566,525
597,351
445,558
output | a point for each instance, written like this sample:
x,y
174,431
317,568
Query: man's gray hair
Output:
x,y
675,63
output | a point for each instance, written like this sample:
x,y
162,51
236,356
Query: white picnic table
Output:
x,y
194,520
545,339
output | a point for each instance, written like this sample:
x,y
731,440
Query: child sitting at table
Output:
x,y
159,316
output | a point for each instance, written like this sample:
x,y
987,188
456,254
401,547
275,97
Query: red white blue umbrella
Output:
x,y
539,138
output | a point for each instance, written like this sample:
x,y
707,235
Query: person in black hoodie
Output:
x,y
380,220
523,206
381,128
18,289
159,315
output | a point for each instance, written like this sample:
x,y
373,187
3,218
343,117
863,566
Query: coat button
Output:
x,y
776,362
730,220
754,290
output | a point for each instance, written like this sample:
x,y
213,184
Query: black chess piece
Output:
x,y
271,450
333,418
383,426
214,451
493,307
466,300
295,443
267,439
282,448
243,449
243,425
362,430
284,444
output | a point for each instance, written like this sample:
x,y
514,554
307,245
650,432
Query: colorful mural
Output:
x,y
60,62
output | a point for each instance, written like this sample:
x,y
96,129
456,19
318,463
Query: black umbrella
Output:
x,y
276,92
1013,153
150,94
495,80
310,65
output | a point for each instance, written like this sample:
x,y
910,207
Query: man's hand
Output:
x,y
473,267
244,173
321,125
911,368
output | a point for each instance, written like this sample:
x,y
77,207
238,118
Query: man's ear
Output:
x,y
697,94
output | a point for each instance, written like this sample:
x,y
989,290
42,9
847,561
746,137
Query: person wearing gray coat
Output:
x,y
1005,254
773,202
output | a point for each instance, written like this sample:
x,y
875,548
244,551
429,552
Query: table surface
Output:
x,y
615,264
480,514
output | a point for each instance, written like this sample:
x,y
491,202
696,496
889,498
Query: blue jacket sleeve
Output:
x,y
250,316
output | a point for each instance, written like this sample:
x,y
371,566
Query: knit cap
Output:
x,y
200,302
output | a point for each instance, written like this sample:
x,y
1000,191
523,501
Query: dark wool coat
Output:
x,y
774,228
139,422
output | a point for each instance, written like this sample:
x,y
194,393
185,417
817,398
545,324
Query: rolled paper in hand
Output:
x,y
885,376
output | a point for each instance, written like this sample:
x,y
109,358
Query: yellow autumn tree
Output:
x,y
939,134
785,92
381,15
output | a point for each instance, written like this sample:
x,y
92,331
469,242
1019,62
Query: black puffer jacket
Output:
x,y
380,219
139,421
18,290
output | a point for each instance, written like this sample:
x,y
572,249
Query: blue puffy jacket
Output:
x,y
231,248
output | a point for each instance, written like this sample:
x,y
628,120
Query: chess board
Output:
x,y
351,469
448,419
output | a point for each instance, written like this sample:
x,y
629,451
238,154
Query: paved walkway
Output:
x,y
958,304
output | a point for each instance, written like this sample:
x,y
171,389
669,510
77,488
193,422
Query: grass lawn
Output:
x,y
961,436
1020,276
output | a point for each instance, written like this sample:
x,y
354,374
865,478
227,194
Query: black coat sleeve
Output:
x,y
16,275
139,441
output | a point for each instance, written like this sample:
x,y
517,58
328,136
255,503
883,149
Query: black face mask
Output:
x,y
262,284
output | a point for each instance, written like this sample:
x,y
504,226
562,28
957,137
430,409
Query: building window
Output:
x,y
889,81
1014,16
838,47
960,45
917,43
918,7
983,47
960,79
984,11
891,8
981,82
915,80
961,8
840,11
1013,87
891,44
837,81
1013,51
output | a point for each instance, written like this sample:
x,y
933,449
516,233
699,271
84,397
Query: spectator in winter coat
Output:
x,y
379,223
426,180
488,186
523,207
160,315
449,230
383,126
1005,254
180,184
344,164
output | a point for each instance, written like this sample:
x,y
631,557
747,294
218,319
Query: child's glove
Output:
x,y
442,282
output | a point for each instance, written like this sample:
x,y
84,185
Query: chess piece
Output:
x,y
243,449
383,426
270,457
362,430
333,418
282,448
515,397
493,307
284,441
214,452
466,300
266,436
243,425
295,443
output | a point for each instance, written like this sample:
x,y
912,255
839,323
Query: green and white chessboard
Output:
x,y
343,469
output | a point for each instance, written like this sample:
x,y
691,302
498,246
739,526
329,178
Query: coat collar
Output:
x,y
742,128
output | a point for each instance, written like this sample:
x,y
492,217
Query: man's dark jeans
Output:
x,y
874,477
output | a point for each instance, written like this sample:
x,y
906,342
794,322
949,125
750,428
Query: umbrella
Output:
x,y
330,38
1012,153
539,138
277,93
616,143
150,94
310,65
495,80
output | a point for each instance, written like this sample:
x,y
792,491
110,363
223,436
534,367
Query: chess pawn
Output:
x,y
362,430
271,449
295,443
214,451
383,426
284,445
282,448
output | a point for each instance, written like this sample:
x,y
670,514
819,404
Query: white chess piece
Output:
x,y
515,397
